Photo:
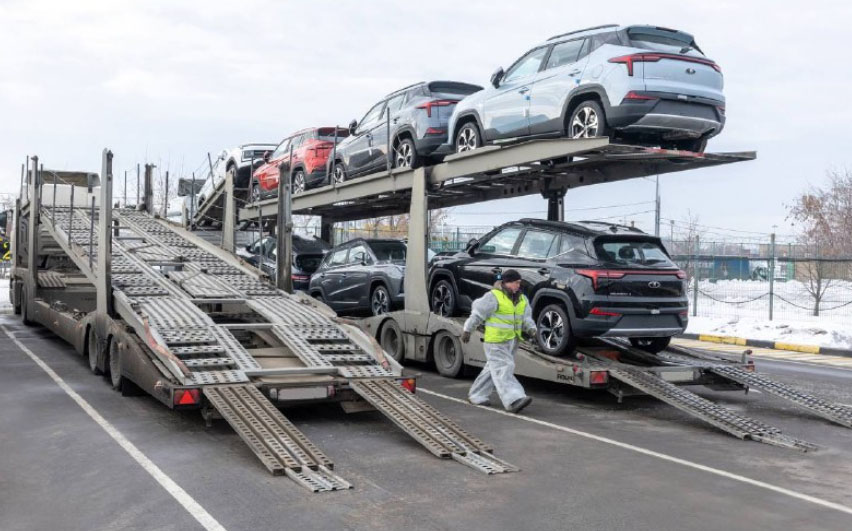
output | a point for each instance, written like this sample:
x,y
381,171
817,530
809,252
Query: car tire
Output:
x,y
93,350
254,195
651,344
318,296
587,120
338,174
696,145
380,301
299,184
405,154
553,331
443,299
392,340
448,354
119,382
468,138
25,313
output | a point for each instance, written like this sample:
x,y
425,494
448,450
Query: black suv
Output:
x,y
583,279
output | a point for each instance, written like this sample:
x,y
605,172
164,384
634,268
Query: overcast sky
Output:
x,y
168,81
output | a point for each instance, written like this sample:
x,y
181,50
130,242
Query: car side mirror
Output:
x,y
352,126
472,245
497,76
266,156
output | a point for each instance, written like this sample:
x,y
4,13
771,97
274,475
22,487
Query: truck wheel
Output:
x,y
380,301
448,354
92,348
25,314
254,197
392,340
651,344
554,331
443,299
119,382
16,307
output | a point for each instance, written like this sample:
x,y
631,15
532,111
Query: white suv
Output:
x,y
650,84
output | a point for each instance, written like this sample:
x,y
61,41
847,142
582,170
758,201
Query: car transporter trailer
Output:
x,y
165,312
549,168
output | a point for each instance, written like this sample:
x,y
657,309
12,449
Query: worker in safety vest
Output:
x,y
506,314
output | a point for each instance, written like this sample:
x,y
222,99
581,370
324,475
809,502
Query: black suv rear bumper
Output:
x,y
634,324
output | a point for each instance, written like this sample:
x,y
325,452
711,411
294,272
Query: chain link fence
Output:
x,y
766,280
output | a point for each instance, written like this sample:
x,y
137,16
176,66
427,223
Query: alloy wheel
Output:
x,y
441,300
339,174
551,329
380,303
585,124
255,194
403,156
298,182
467,140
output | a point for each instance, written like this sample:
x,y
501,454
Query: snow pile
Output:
x,y
823,334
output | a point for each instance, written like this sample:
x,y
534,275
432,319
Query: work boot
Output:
x,y
487,403
520,404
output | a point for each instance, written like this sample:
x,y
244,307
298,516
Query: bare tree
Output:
x,y
823,217
690,236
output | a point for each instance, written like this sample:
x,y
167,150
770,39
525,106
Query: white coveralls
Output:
x,y
499,370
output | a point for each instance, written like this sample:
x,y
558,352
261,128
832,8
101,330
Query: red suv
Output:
x,y
311,150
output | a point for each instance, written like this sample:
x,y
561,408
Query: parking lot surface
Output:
x,y
587,462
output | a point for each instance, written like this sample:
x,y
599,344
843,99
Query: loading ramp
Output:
x,y
181,317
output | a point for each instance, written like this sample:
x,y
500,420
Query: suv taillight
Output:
x,y
636,96
435,103
654,57
595,274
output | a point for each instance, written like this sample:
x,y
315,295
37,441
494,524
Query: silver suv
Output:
x,y
648,84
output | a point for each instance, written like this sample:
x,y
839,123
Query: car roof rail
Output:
x,y
404,88
582,30
615,225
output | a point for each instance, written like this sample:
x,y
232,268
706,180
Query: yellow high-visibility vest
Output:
x,y
508,321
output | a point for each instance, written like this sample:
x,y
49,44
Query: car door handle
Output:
x,y
524,90
573,72
544,271
395,120
496,270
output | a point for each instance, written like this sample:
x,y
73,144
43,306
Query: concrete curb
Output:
x,y
763,343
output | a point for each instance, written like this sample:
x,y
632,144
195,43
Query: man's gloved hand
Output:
x,y
530,334
465,337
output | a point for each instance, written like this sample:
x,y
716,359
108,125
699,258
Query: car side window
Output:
x,y
395,103
338,257
572,248
359,253
536,244
526,65
282,149
501,243
565,53
297,141
371,117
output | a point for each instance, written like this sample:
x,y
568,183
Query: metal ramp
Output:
x,y
834,412
279,445
438,434
703,409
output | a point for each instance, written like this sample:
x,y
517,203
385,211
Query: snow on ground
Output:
x,y
787,331
741,308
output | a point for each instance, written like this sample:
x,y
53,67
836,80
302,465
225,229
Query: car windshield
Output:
x,y
631,252
388,251
661,40
327,134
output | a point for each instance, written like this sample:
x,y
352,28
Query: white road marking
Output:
x,y
658,455
188,502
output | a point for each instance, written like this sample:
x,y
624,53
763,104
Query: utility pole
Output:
x,y
657,211
771,273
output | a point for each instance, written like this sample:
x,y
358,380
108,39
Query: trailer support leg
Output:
x,y
284,230
32,231
326,230
556,206
416,290
104,280
228,216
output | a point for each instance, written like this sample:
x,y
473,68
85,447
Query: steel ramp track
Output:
x,y
438,434
279,445
703,409
834,412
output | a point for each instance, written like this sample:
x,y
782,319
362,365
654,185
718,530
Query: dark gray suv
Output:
x,y
418,117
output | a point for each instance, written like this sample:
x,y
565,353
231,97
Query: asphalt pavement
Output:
x,y
587,462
